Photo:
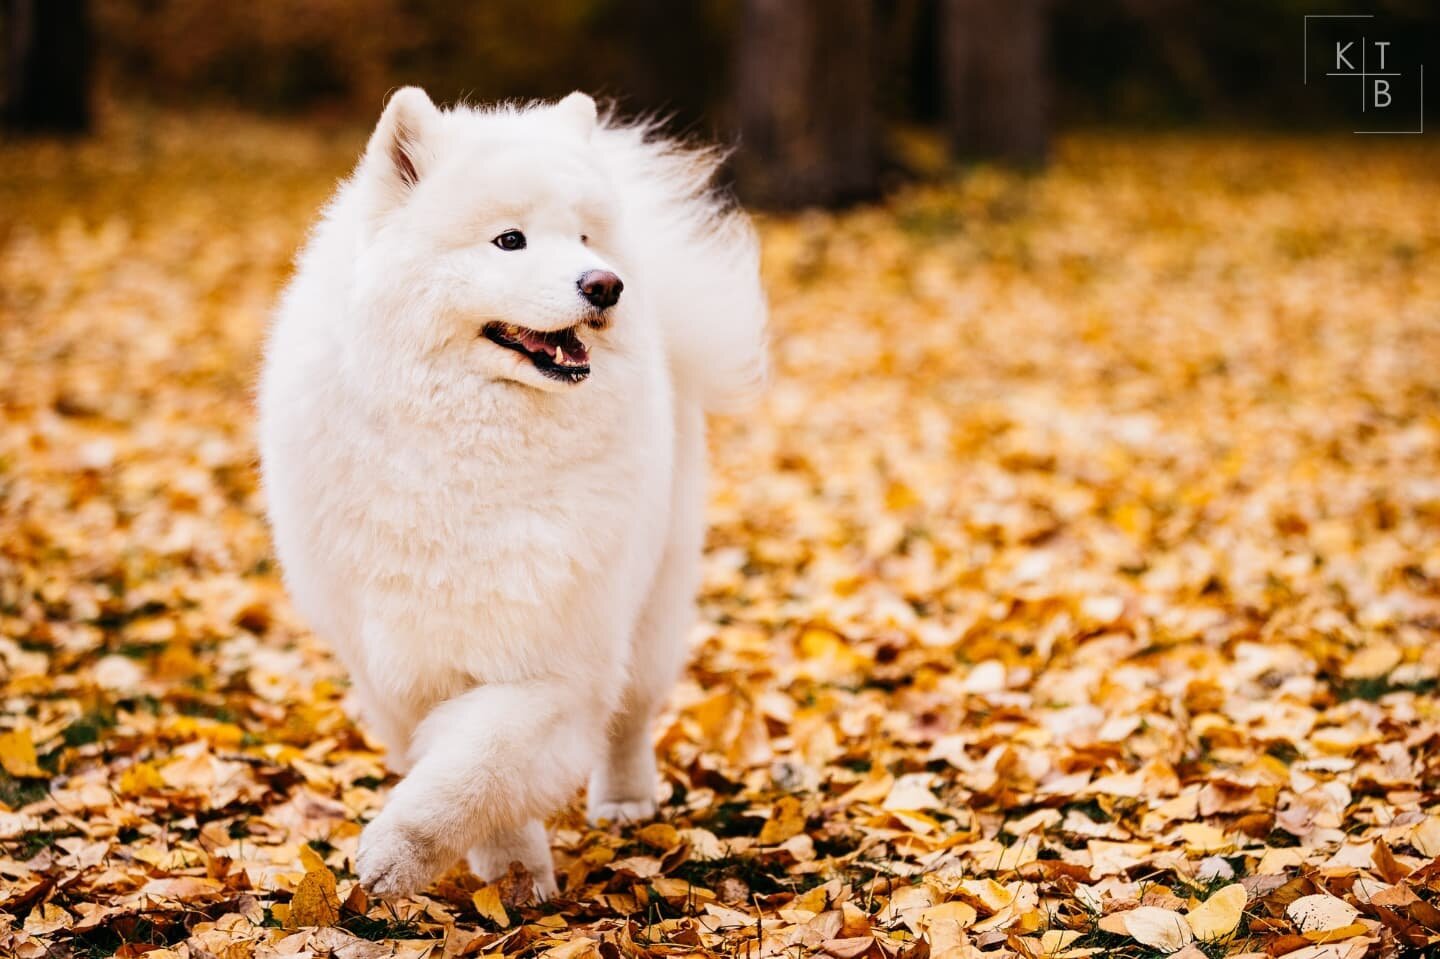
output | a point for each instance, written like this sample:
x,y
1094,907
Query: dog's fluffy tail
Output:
x,y
701,262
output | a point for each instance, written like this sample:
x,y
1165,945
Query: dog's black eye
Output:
x,y
584,238
510,240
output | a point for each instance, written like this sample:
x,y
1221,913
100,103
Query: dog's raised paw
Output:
x,y
393,862
619,811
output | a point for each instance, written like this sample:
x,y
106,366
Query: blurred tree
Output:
x,y
805,83
667,58
47,65
994,68
279,55
815,87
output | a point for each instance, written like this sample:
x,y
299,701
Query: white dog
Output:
x,y
482,433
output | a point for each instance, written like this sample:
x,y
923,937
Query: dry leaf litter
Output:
x,y
1074,592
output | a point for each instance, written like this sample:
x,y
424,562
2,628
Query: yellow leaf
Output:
x,y
679,892
899,497
787,820
1375,659
873,788
944,926
311,860
1425,837
182,887
1335,935
906,904
660,835
955,914
1132,518
827,656
487,902
1217,917
1202,838
911,792
315,902
17,755
581,948
987,893
140,779
818,899
1057,941
47,918
1279,860
1158,928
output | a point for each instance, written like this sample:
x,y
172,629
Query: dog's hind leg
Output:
x,y
528,845
384,720
487,763
622,788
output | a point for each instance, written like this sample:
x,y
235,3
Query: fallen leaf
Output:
x,y
786,819
487,902
17,755
316,901
1158,928
1219,915
1376,658
1321,912
1425,837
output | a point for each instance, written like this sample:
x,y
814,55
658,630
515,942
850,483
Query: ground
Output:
x,y
1074,591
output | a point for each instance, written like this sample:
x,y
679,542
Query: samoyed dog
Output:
x,y
482,431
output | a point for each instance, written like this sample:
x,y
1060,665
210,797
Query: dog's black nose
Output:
x,y
601,287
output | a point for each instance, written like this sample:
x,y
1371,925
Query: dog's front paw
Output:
x,y
619,811
394,861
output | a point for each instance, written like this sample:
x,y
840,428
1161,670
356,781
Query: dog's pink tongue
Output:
x,y
536,342
551,344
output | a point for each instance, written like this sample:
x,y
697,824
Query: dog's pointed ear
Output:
x,y
578,110
401,149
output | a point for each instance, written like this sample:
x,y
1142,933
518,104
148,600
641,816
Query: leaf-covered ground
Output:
x,y
1075,591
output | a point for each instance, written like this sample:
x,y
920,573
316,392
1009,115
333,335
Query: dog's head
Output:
x,y
489,242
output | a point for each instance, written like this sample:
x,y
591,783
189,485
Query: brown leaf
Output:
x,y
1390,869
852,948
786,820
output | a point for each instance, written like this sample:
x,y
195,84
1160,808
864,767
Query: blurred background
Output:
x,y
832,99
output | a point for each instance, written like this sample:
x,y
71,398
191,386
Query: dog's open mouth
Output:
x,y
559,354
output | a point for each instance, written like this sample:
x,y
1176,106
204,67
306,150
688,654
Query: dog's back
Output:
x,y
703,260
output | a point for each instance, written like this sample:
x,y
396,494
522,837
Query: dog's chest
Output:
x,y
486,560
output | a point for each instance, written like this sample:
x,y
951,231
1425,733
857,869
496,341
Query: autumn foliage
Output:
x,y
1074,592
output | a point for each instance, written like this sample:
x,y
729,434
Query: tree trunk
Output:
x,y
672,59
805,102
47,66
995,72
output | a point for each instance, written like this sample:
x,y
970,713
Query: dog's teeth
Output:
x,y
559,354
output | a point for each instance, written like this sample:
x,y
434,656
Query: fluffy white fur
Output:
x,y
505,563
